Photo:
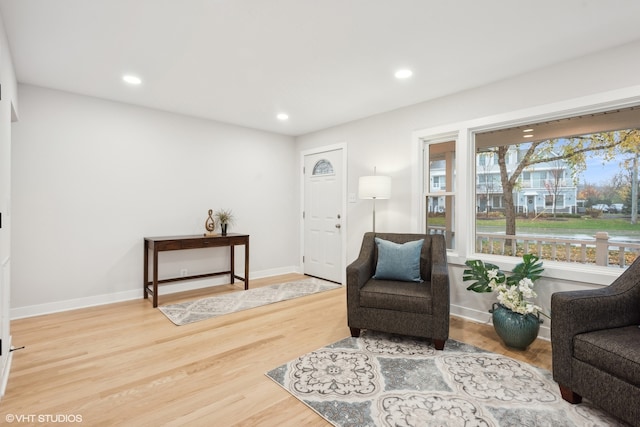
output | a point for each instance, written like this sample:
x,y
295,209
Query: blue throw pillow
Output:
x,y
398,261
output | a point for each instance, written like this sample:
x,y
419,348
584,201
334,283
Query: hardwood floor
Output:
x,y
127,364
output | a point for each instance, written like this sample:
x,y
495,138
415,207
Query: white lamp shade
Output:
x,y
374,187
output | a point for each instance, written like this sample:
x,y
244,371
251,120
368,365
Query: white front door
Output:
x,y
323,216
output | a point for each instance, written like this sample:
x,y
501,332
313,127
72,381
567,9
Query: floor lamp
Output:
x,y
374,187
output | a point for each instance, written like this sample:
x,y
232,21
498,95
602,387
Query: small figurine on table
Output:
x,y
210,224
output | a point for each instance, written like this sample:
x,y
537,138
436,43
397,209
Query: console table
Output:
x,y
176,243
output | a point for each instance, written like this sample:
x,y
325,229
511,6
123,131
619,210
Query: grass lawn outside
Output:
x,y
586,225
619,228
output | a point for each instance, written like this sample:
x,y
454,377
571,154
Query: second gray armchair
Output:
x,y
595,340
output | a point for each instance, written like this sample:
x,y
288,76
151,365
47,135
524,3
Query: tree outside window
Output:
x,y
549,186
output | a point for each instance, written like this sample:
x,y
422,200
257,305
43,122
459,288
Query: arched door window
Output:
x,y
323,167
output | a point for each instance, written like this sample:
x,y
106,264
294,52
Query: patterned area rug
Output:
x,y
206,308
386,380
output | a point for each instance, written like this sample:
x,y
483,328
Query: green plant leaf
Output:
x,y
478,271
530,267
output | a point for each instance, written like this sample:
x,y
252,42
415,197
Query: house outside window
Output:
x,y
549,201
534,182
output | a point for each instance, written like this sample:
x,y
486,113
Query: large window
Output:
x,y
551,188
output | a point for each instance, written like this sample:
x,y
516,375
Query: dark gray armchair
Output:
x,y
407,308
596,345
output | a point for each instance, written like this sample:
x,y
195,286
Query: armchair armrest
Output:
x,y
440,291
360,271
576,312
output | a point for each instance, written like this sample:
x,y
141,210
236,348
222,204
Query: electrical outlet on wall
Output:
x,y
183,272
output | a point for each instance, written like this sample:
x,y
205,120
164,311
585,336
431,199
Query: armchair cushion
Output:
x,y
616,351
398,261
397,296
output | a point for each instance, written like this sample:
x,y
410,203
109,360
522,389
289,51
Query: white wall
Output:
x,y
385,141
92,177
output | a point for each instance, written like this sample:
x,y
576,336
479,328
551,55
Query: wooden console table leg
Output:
x,y
155,276
145,270
246,265
232,267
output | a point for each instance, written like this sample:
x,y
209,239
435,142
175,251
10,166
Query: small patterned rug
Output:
x,y
388,380
206,308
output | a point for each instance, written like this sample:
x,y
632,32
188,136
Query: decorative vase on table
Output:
x,y
224,217
516,330
515,318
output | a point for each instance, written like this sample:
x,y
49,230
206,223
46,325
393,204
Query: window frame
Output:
x,y
463,133
425,177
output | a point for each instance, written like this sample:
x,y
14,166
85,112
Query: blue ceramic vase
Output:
x,y
516,330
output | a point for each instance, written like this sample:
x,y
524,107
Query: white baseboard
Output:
x,y
485,317
471,314
73,304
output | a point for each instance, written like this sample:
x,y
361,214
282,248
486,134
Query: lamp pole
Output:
x,y
374,215
374,187
374,206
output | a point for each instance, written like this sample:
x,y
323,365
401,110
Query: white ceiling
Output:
x,y
324,62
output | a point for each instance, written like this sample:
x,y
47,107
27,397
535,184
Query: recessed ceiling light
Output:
x,y
132,80
282,116
528,136
403,74
527,130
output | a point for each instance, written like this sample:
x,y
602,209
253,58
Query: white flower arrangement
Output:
x,y
515,297
514,291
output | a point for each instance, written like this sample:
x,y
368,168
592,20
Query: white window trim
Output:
x,y
463,133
